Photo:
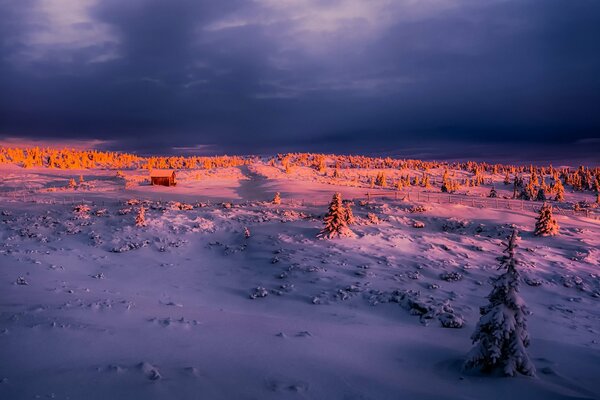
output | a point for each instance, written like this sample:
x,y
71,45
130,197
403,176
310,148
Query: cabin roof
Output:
x,y
161,173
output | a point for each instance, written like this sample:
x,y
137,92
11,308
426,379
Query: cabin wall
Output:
x,y
163,181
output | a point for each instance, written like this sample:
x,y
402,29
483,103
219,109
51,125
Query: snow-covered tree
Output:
x,y
277,198
501,336
381,179
559,190
140,218
541,195
529,192
336,220
72,183
349,214
546,224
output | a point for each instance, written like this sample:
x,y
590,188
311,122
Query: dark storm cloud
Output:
x,y
269,75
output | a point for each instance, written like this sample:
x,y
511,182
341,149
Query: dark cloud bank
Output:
x,y
433,79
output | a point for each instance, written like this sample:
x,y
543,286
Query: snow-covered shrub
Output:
x,y
21,281
259,292
373,218
451,276
140,218
81,211
455,224
501,335
130,246
176,205
277,199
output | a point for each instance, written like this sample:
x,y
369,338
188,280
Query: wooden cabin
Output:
x,y
163,177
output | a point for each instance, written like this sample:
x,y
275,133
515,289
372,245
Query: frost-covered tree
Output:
x,y
349,214
336,220
501,336
425,181
277,198
541,195
546,224
140,218
381,179
529,192
559,190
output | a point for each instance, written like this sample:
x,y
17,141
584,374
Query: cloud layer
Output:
x,y
276,75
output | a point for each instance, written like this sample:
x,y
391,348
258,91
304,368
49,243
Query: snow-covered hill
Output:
x,y
188,307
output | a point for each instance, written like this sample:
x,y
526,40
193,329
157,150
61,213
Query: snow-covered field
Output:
x,y
188,307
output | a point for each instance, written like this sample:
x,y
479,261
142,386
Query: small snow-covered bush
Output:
x,y
373,218
140,218
259,292
451,276
277,199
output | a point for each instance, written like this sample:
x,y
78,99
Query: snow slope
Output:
x,y
188,307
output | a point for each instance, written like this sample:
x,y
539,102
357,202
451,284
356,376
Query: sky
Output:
x,y
428,78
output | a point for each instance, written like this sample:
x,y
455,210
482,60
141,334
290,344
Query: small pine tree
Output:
x,y
507,179
81,179
425,181
277,199
529,192
546,224
72,184
246,232
501,335
559,190
381,179
336,220
541,195
140,218
349,214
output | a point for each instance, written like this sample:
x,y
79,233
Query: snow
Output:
x,y
190,306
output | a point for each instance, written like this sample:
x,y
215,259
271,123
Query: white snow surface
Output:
x,y
187,307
